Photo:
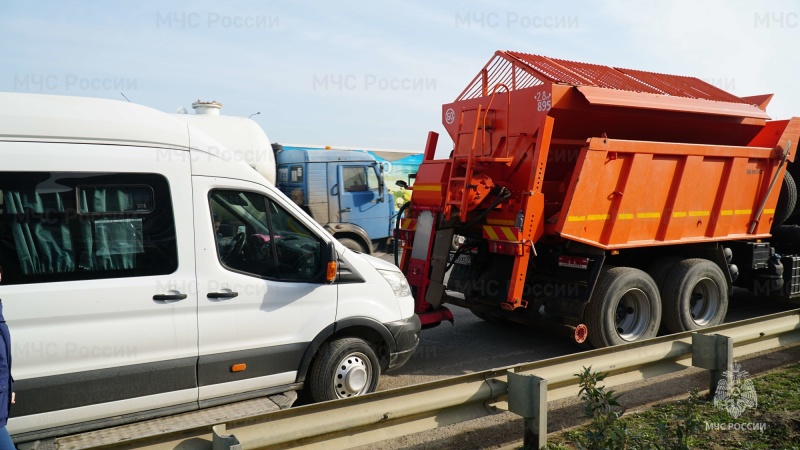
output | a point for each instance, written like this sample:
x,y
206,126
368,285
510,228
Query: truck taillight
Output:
x,y
505,248
574,262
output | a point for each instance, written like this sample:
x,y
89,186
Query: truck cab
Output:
x,y
342,190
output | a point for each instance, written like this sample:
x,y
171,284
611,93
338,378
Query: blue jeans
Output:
x,y
5,440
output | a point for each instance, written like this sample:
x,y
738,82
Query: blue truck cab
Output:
x,y
342,190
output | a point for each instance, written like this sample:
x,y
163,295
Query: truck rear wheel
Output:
x,y
661,269
695,296
344,368
625,307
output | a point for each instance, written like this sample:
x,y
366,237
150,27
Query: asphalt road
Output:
x,y
472,345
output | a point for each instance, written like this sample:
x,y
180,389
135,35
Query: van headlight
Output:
x,y
397,281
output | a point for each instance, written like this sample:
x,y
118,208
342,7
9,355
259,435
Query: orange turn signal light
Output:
x,y
238,367
330,274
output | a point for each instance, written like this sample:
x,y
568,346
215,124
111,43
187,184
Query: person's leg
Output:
x,y
5,440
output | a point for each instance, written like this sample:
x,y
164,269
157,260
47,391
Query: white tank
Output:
x,y
241,135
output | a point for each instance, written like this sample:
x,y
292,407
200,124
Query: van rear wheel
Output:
x,y
625,307
344,368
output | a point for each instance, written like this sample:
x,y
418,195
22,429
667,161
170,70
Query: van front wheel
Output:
x,y
344,368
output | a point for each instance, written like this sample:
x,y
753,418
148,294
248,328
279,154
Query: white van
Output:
x,y
146,272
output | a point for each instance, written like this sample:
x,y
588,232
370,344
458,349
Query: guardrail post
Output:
x,y
222,441
714,353
527,397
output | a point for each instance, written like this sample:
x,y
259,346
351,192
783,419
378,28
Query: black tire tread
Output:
x,y
352,244
675,285
595,310
787,201
659,270
318,381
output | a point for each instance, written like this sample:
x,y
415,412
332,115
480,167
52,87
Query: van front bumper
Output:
x,y
406,339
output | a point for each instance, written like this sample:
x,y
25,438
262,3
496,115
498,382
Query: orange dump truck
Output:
x,y
610,201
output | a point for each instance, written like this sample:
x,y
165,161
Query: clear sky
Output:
x,y
375,74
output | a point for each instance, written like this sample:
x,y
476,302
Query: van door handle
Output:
x,y
345,210
165,297
222,294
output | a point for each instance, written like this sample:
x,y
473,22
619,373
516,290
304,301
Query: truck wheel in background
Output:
x,y
695,296
625,307
787,201
353,245
343,368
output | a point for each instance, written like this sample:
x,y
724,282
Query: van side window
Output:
x,y
82,226
256,236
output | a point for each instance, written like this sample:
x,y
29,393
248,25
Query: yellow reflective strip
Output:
x,y
427,187
769,211
576,218
597,217
509,234
726,212
699,213
650,215
625,216
509,223
490,232
679,214
743,211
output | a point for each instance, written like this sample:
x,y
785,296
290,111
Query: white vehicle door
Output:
x,y
98,281
262,294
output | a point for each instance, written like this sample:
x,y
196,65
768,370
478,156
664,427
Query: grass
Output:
x,y
778,409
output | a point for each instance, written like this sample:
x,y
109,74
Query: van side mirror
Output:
x,y
330,259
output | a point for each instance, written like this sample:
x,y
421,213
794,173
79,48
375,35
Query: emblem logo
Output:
x,y
449,116
737,395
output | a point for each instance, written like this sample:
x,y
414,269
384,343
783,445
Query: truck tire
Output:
x,y
695,296
786,201
625,307
354,245
659,272
344,368
661,269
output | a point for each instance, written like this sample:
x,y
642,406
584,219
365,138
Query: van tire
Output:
x,y
625,307
695,296
343,368
353,245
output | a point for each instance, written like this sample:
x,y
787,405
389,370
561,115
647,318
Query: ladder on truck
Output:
x,y
462,168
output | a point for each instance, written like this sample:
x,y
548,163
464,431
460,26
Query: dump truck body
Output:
x,y
561,169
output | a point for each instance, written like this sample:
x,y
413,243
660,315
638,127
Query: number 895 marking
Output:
x,y
543,101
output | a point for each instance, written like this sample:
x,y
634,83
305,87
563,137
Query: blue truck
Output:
x,y
343,190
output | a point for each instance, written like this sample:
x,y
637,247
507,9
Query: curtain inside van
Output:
x,y
41,234
48,235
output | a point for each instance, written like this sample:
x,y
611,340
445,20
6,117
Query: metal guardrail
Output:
x,y
388,414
